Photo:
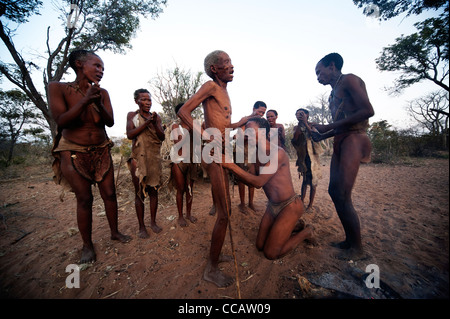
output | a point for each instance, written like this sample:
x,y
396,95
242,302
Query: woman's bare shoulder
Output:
x,y
57,85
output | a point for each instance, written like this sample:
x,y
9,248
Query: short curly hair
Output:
x,y
333,57
79,55
139,91
259,104
262,123
210,60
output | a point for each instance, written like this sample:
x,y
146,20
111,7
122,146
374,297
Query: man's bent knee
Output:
x,y
271,254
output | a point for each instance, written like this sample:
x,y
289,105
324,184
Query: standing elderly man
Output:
x,y
216,103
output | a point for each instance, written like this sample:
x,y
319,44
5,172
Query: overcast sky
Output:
x,y
274,47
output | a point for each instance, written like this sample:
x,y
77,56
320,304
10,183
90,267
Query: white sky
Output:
x,y
274,47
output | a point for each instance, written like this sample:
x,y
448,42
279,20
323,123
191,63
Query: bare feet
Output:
x,y
310,209
192,219
217,277
246,210
352,254
299,226
309,229
120,237
143,233
225,258
349,251
87,255
341,245
242,209
156,229
182,222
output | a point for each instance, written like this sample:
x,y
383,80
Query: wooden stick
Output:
x,y
231,236
118,172
110,295
24,234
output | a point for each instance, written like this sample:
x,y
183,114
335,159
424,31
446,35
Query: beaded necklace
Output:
x,y
332,96
76,87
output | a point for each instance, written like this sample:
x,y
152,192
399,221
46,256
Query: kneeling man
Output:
x,y
279,231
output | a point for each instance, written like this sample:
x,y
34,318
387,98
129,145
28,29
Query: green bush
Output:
x,y
390,145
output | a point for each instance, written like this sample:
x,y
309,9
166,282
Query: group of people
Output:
x,y
82,110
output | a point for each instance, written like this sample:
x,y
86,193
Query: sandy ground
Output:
x,y
404,216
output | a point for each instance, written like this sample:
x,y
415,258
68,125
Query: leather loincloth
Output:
x,y
146,151
92,162
339,138
308,157
275,209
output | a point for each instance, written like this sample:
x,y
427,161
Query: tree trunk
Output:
x,y
25,83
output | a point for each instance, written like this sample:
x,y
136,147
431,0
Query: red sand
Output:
x,y
404,216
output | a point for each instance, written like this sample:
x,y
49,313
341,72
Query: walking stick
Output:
x,y
118,172
231,236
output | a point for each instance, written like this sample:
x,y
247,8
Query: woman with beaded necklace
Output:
x,y
82,109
